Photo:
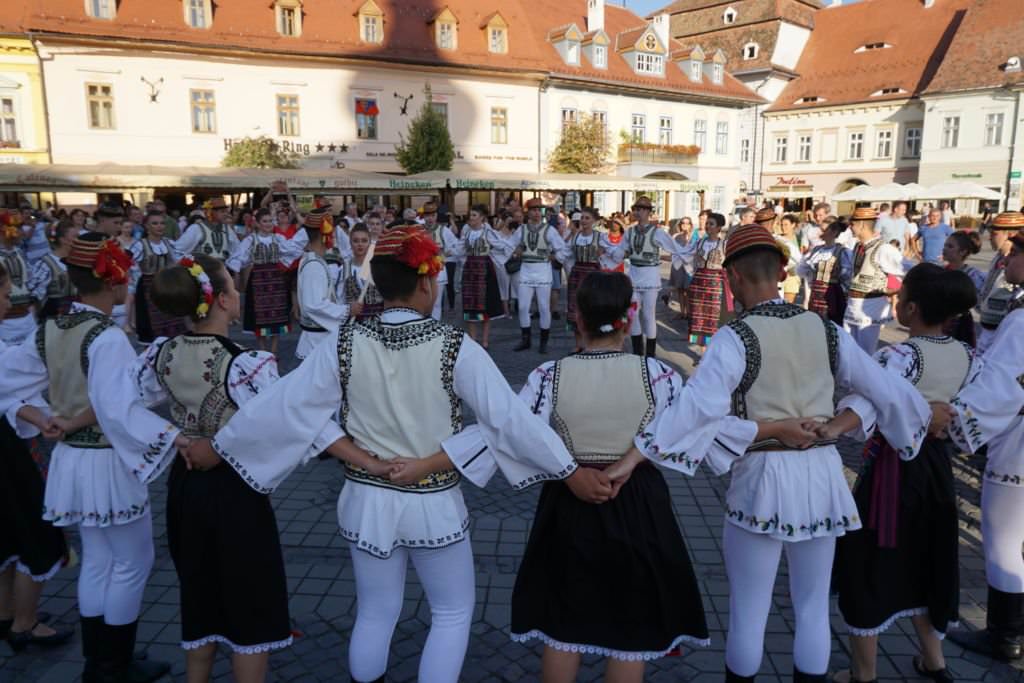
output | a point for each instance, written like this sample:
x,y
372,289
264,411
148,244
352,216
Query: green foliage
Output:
x,y
261,152
427,145
584,147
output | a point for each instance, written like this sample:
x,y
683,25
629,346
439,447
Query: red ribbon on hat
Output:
x,y
112,263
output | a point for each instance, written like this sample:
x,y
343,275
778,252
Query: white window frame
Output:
x,y
569,115
700,134
203,111
717,72
286,8
601,117
721,137
883,143
497,40
107,122
449,29
365,122
601,56
664,130
753,49
718,197
950,131
371,28
198,13
572,52
912,142
650,63
780,149
101,9
289,115
638,128
855,145
10,122
729,16
804,147
499,125
745,151
696,71
442,109
994,128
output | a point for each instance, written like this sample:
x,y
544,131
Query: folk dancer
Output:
x,y
997,293
536,242
399,380
710,300
583,257
98,473
210,234
152,254
110,219
904,563
446,241
990,412
319,309
28,285
60,293
827,270
483,250
874,261
580,543
356,289
959,247
787,490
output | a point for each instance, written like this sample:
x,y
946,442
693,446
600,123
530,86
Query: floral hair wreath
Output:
x,y
112,263
624,321
205,286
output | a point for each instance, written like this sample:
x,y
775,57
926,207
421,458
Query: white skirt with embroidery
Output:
x,y
792,495
1005,463
378,520
92,487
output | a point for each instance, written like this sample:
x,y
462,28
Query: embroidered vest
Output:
x,y
941,366
479,247
193,370
63,345
17,272
214,241
535,244
437,234
792,356
586,253
710,260
399,395
152,262
598,425
827,269
868,276
60,286
353,288
310,259
996,295
270,253
643,251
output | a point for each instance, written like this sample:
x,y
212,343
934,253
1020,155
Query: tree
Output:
x,y
261,152
429,145
584,147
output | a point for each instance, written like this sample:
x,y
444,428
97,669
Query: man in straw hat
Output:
x,y
990,412
446,241
995,295
210,234
642,246
319,308
766,386
874,262
399,381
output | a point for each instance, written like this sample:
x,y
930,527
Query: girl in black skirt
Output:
x,y
608,575
222,533
903,563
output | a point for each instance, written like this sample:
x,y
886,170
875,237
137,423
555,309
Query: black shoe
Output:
x,y
1001,638
556,316
19,640
665,299
376,680
939,675
544,335
92,633
524,342
638,344
119,664
5,627
801,677
652,348
730,677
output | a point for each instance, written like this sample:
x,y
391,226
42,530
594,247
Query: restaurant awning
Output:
x,y
542,182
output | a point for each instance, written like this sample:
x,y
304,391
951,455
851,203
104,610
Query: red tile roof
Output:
x,y
329,29
831,69
992,33
690,5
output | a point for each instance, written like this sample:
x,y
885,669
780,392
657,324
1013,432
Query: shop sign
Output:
x,y
965,176
793,180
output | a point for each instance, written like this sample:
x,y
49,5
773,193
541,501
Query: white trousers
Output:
x,y
864,319
1002,531
525,295
116,561
644,322
450,584
751,562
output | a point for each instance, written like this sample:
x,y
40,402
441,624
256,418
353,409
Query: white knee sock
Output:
x,y
1002,531
116,562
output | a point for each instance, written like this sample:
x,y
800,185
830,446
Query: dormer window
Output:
x,y
371,23
888,91
101,9
751,50
446,30
198,13
870,47
289,17
648,63
695,71
497,33
810,99
729,16
595,49
572,52
600,56
717,72
1012,65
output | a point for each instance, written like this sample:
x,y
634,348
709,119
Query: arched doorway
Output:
x,y
847,207
668,205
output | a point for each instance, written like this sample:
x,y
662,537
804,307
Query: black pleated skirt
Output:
x,y
25,537
223,539
613,579
921,574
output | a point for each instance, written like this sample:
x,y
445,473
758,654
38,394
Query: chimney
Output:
x,y
595,15
928,3
661,28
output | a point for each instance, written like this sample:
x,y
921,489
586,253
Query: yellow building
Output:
x,y
24,137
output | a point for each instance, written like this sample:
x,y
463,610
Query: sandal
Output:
x,y
941,675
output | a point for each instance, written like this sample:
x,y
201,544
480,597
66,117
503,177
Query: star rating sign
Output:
x,y
319,146
343,148
332,147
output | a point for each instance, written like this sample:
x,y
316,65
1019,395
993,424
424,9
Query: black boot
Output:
x,y
638,344
544,334
730,677
376,680
1001,638
801,677
652,348
524,343
92,634
119,663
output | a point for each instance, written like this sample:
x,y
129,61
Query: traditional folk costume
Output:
x,y
484,250
221,531
537,245
582,257
268,306
709,296
447,242
904,563
996,293
989,411
827,270
868,307
98,475
319,307
778,361
208,238
28,287
963,327
791,285
150,322
577,550
399,380
60,293
353,283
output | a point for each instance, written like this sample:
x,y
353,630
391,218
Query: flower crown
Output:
x,y
618,324
205,286
413,247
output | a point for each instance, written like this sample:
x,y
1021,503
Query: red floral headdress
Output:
x,y
10,223
107,260
412,246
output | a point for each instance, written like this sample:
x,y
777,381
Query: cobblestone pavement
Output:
x,y
321,583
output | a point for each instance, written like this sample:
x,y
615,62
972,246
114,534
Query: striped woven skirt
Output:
x,y
579,272
268,305
828,301
150,321
707,304
481,299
